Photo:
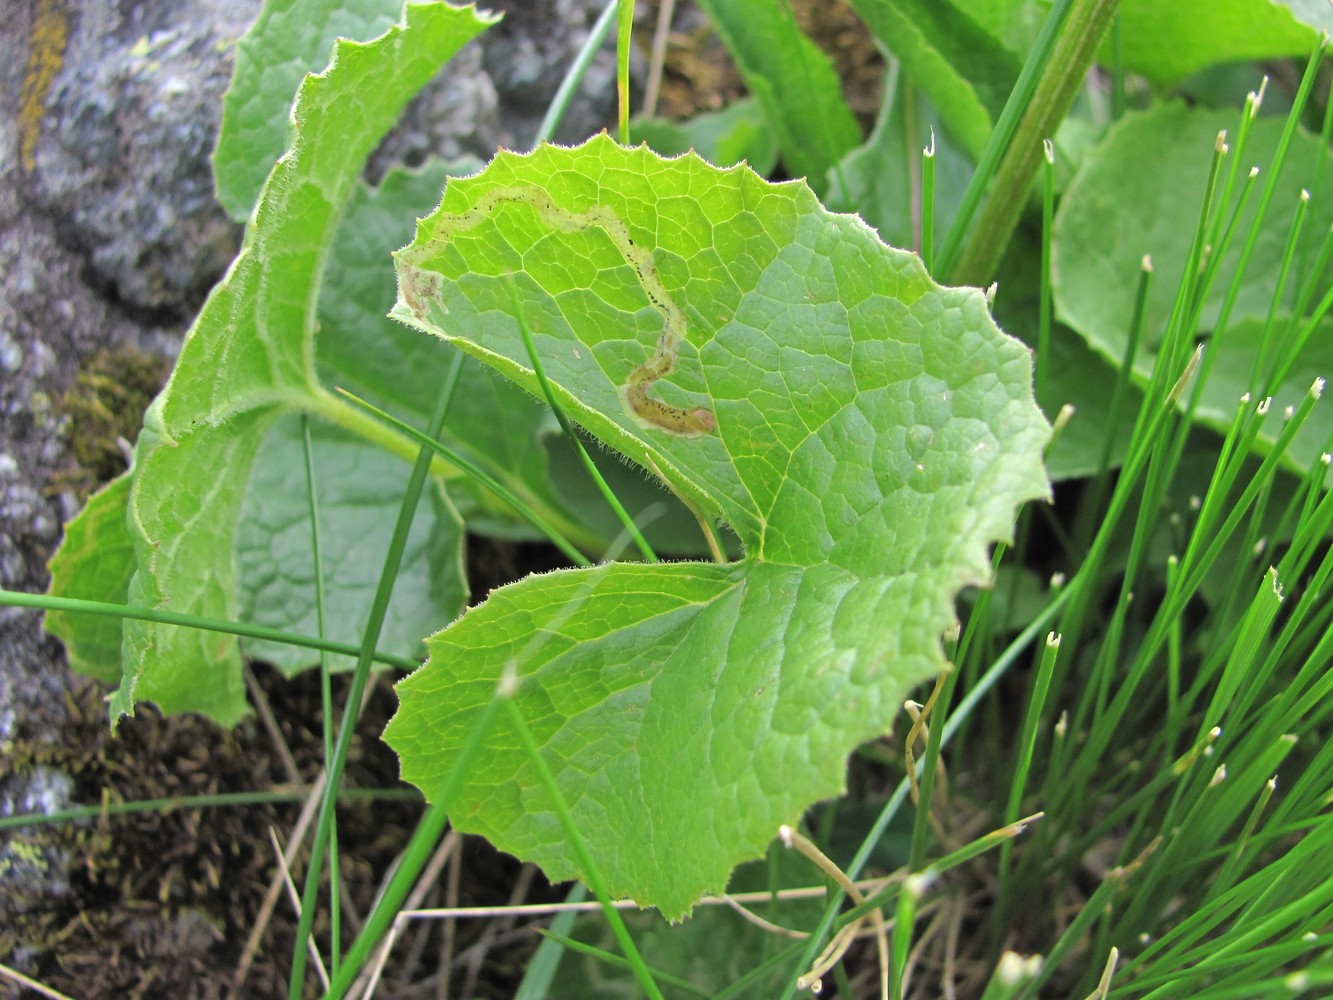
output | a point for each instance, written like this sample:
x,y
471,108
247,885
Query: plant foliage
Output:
x,y
865,432
775,384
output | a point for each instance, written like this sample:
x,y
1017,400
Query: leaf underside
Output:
x,y
865,432
165,537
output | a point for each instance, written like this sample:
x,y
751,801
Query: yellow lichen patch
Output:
x,y
46,52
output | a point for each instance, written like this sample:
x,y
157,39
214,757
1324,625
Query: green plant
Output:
x,y
864,432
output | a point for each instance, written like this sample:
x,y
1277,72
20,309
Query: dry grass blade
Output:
x,y
265,914
295,896
25,983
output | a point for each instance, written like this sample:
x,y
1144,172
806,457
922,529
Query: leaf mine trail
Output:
x,y
420,285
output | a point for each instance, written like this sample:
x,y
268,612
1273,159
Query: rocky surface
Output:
x,y
109,239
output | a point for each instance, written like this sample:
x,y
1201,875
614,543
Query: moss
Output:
x,y
104,411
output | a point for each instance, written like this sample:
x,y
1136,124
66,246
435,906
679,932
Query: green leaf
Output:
x,y
249,358
738,133
95,562
1168,41
360,489
878,175
1078,376
495,423
964,71
1014,23
289,39
1316,13
793,81
865,432
1139,193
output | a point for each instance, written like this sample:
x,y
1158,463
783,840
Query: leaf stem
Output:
x,y
624,27
996,146
1061,78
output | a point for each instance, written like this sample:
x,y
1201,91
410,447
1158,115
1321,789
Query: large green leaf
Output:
x,y
1168,41
289,39
866,433
793,81
961,67
249,358
1139,193
494,423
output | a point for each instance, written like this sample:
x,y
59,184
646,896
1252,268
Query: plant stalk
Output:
x,y
1055,91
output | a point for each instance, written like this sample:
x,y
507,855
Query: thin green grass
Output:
x,y
360,676
594,473
45,602
325,692
928,204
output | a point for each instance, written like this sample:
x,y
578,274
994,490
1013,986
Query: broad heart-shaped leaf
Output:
x,y
494,422
289,39
1139,193
865,432
248,358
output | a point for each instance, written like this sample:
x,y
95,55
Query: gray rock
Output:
x,y
122,166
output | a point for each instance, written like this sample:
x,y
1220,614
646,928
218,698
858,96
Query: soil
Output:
x,y
698,74
160,903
